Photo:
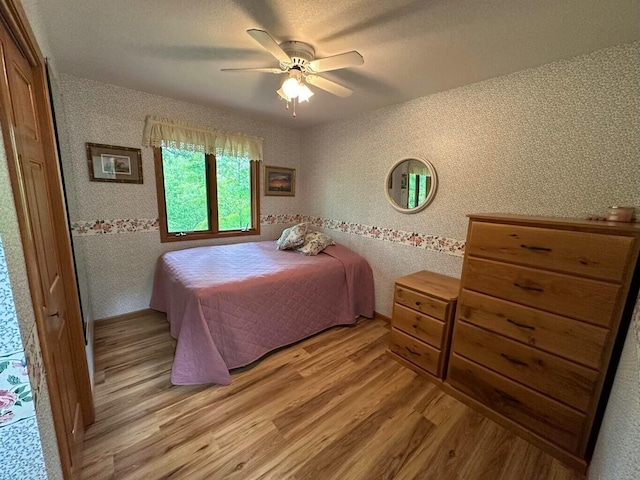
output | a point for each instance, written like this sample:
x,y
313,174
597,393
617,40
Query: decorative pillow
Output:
x,y
315,242
292,237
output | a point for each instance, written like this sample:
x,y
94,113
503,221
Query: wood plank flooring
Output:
x,y
331,407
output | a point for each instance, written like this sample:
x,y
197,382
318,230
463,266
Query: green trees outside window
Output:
x,y
197,201
417,190
234,194
185,190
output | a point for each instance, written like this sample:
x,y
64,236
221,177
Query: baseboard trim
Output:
x,y
381,317
125,316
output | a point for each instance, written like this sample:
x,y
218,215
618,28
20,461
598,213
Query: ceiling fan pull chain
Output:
x,y
294,108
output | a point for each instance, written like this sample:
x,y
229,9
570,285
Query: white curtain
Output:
x,y
418,168
164,132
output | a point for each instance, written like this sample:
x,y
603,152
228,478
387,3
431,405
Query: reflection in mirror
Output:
x,y
411,184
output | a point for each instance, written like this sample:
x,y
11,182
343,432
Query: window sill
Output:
x,y
170,237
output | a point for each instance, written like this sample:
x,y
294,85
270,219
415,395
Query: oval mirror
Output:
x,y
411,184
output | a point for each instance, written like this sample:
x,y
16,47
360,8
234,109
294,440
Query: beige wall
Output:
x,y
120,267
562,139
617,454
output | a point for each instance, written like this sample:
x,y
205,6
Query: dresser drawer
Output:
x,y
582,253
415,351
546,417
422,326
589,300
560,379
577,341
422,303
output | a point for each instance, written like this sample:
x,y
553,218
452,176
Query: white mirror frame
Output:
x,y
432,192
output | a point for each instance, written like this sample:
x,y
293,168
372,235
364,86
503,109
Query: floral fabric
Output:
x,y
315,242
292,237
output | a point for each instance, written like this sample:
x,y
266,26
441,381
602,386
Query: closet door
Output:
x,y
39,205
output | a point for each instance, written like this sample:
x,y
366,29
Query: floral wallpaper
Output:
x,y
20,449
561,140
16,400
126,225
115,271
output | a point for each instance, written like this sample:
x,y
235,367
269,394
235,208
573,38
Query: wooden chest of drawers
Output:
x,y
542,304
423,309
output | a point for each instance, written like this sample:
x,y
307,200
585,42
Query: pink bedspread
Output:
x,y
230,304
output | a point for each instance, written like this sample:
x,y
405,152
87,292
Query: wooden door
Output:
x,y
34,180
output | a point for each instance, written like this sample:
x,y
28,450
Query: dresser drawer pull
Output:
x,y
506,396
411,351
418,304
514,360
532,288
521,325
537,249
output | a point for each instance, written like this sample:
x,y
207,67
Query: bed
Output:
x,y
228,305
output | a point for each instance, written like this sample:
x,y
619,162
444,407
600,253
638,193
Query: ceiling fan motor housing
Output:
x,y
300,53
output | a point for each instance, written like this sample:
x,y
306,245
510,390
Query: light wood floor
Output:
x,y
331,407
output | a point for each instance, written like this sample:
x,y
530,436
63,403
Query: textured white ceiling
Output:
x,y
411,48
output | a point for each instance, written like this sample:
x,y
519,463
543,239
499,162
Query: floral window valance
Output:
x,y
164,132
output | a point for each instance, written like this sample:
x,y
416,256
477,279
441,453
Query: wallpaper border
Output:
x,y
450,246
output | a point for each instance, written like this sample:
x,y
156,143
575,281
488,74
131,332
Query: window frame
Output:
x,y
212,198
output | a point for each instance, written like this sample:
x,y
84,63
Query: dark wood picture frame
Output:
x,y
279,181
110,163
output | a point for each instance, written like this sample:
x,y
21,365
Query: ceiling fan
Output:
x,y
297,60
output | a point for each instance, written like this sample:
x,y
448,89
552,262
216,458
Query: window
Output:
x,y
418,188
205,196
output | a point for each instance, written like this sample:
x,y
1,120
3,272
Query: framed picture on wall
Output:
x,y
279,181
108,163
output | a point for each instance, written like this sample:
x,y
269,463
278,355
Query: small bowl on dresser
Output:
x,y
620,214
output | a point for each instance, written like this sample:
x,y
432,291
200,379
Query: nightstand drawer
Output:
x,y
422,326
415,351
589,300
422,303
550,419
560,379
577,341
581,253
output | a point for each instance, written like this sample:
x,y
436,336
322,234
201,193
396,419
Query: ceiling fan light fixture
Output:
x,y
291,87
298,60
304,94
283,95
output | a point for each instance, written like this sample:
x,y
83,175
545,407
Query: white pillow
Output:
x,y
292,237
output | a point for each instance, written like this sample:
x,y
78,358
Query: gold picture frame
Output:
x,y
110,163
279,181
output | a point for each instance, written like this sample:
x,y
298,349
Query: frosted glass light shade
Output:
x,y
304,94
283,95
291,88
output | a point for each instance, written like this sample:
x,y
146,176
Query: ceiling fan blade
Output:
x,y
269,44
263,70
344,60
328,85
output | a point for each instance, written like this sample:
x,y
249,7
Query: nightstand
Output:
x,y
423,310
